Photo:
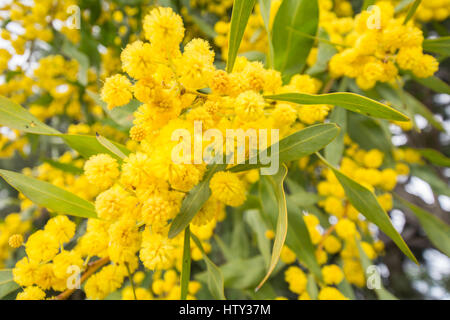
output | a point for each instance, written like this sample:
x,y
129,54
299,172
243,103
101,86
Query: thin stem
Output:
x,y
92,268
131,281
186,270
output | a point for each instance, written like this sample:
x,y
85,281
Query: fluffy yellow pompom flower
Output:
x,y
63,261
287,255
330,293
138,59
296,279
25,272
15,240
31,293
157,251
196,65
373,158
249,106
346,229
332,274
116,91
226,187
164,29
61,228
332,244
42,246
101,170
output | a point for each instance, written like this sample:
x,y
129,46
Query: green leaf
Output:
x,y
275,183
381,292
412,11
7,284
335,150
72,52
296,146
123,115
439,45
324,54
194,201
49,196
368,133
311,287
299,240
256,223
349,101
365,202
110,146
88,146
437,230
264,7
15,116
291,48
434,83
367,4
435,157
243,274
242,10
186,267
303,198
215,276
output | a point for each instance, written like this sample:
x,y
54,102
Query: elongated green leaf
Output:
x,y
412,11
236,273
186,268
435,157
367,4
365,202
324,54
299,240
215,276
295,146
7,284
49,196
242,10
311,287
72,52
439,45
291,49
349,101
335,150
88,146
275,182
344,286
435,84
368,133
255,222
194,201
381,292
437,230
110,146
304,198
14,116
264,7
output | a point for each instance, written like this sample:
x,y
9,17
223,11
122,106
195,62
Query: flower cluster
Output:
x,y
379,47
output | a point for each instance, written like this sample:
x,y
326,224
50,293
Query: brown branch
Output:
x,y
91,269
